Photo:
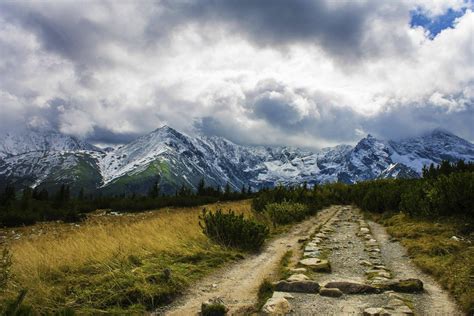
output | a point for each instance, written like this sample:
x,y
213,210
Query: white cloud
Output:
x,y
129,68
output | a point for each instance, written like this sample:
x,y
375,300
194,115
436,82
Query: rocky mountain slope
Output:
x,y
48,159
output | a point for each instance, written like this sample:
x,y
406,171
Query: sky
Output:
x,y
269,72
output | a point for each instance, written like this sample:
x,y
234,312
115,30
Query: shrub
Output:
x,y
286,212
232,230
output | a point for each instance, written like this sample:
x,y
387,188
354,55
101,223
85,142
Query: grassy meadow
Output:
x,y
128,263
431,246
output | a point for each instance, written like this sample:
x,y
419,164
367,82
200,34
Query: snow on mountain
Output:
x,y
12,144
175,159
431,148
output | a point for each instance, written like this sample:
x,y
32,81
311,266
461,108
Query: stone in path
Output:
x,y
316,264
330,292
352,287
276,306
297,277
297,286
376,311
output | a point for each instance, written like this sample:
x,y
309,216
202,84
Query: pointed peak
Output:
x,y
439,131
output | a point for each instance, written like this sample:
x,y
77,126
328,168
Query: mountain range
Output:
x,y
49,159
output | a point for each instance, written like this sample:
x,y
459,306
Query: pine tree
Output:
x,y
201,187
154,191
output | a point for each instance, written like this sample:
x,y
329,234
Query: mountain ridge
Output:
x,y
175,159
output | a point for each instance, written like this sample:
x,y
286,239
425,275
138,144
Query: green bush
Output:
x,y
232,230
286,212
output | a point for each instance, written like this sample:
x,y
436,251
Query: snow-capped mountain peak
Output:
x,y
173,158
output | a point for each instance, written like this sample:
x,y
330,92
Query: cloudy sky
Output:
x,y
295,72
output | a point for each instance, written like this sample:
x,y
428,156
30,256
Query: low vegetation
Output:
x,y
114,264
440,247
233,230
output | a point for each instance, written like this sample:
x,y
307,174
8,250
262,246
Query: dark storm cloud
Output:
x,y
105,136
417,119
338,27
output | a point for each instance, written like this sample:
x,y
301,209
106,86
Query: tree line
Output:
x,y
27,206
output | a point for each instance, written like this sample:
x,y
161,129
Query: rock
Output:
x,y
406,286
321,235
396,303
455,238
297,286
286,295
297,277
303,239
214,306
402,310
375,311
316,264
352,287
311,248
276,306
365,263
311,254
364,230
331,292
298,270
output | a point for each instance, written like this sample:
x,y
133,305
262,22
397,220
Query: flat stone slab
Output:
x,y
286,295
375,311
316,264
297,286
297,277
330,292
312,254
353,288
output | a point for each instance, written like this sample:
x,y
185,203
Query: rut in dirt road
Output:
x,y
237,284
364,279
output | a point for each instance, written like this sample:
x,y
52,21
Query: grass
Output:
x,y
114,264
429,243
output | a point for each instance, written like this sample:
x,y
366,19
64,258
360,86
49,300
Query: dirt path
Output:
x,y
237,285
361,252
358,251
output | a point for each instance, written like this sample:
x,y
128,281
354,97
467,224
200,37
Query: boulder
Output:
x,y
364,230
297,277
297,286
276,306
348,287
331,292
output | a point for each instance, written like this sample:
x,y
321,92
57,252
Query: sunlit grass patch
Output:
x,y
432,246
123,263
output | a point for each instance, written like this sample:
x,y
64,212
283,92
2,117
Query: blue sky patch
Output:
x,y
435,24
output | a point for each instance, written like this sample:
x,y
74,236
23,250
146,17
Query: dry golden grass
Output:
x,y
61,250
430,244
